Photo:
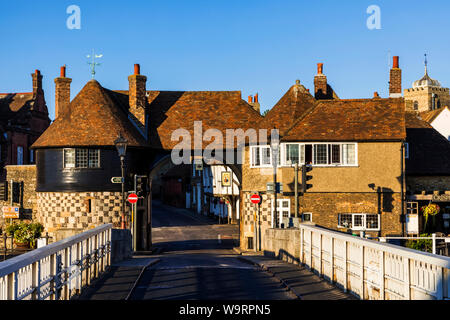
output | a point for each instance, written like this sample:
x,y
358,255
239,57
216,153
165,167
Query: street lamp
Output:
x,y
275,147
121,145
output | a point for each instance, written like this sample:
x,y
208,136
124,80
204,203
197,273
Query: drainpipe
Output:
x,y
402,187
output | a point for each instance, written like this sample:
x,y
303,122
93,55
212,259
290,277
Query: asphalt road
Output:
x,y
197,262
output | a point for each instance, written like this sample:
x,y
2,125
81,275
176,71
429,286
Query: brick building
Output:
x,y
23,118
355,149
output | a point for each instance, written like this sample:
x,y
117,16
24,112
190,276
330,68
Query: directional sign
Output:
x,y
117,179
132,198
11,212
256,199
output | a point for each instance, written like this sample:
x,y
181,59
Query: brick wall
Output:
x,y
325,209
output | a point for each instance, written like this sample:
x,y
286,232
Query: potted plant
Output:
x,y
25,234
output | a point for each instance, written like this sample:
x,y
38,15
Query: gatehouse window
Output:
x,y
81,158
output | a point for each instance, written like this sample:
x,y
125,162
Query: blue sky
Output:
x,y
251,46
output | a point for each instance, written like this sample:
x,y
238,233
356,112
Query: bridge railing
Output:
x,y
59,270
374,270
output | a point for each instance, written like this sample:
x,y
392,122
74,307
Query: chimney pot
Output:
x,y
250,99
137,69
319,68
396,62
375,95
256,98
63,71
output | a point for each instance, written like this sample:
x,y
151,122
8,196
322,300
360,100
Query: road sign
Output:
x,y
256,199
132,198
11,212
117,179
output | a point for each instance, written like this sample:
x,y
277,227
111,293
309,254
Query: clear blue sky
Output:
x,y
252,46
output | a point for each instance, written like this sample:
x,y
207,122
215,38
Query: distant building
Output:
x,y
23,118
426,94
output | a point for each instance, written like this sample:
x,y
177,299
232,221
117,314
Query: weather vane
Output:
x,y
93,64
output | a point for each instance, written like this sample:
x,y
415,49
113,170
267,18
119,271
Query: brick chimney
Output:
x,y
395,80
37,83
320,83
138,94
62,93
254,102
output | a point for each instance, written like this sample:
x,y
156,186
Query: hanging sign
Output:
x,y
226,179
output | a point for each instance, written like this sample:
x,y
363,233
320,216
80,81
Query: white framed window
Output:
x,y
260,156
359,221
19,155
283,211
81,158
320,154
412,207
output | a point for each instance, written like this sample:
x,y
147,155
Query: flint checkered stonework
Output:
x,y
70,210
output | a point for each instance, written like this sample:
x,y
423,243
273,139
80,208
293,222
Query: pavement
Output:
x,y
305,284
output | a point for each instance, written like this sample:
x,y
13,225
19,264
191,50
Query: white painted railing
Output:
x,y
59,270
374,270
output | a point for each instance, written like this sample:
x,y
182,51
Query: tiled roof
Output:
x,y
429,151
429,116
295,103
11,104
351,120
172,110
94,118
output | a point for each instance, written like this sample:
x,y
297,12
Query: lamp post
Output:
x,y
121,145
275,147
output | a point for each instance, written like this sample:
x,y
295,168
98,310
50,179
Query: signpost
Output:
x,y
117,180
256,199
11,212
133,198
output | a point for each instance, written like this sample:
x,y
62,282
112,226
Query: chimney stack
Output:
x,y
254,102
138,94
395,80
320,84
62,93
37,83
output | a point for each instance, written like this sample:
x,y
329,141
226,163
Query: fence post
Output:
x,y
301,246
381,269
332,259
407,280
362,272
433,236
320,254
345,267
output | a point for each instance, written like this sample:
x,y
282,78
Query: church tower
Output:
x,y
426,94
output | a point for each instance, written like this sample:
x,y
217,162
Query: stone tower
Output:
x,y
426,94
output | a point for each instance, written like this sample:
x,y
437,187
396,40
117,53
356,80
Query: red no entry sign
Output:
x,y
255,199
132,198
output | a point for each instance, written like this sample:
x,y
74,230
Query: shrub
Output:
x,y
422,245
24,232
